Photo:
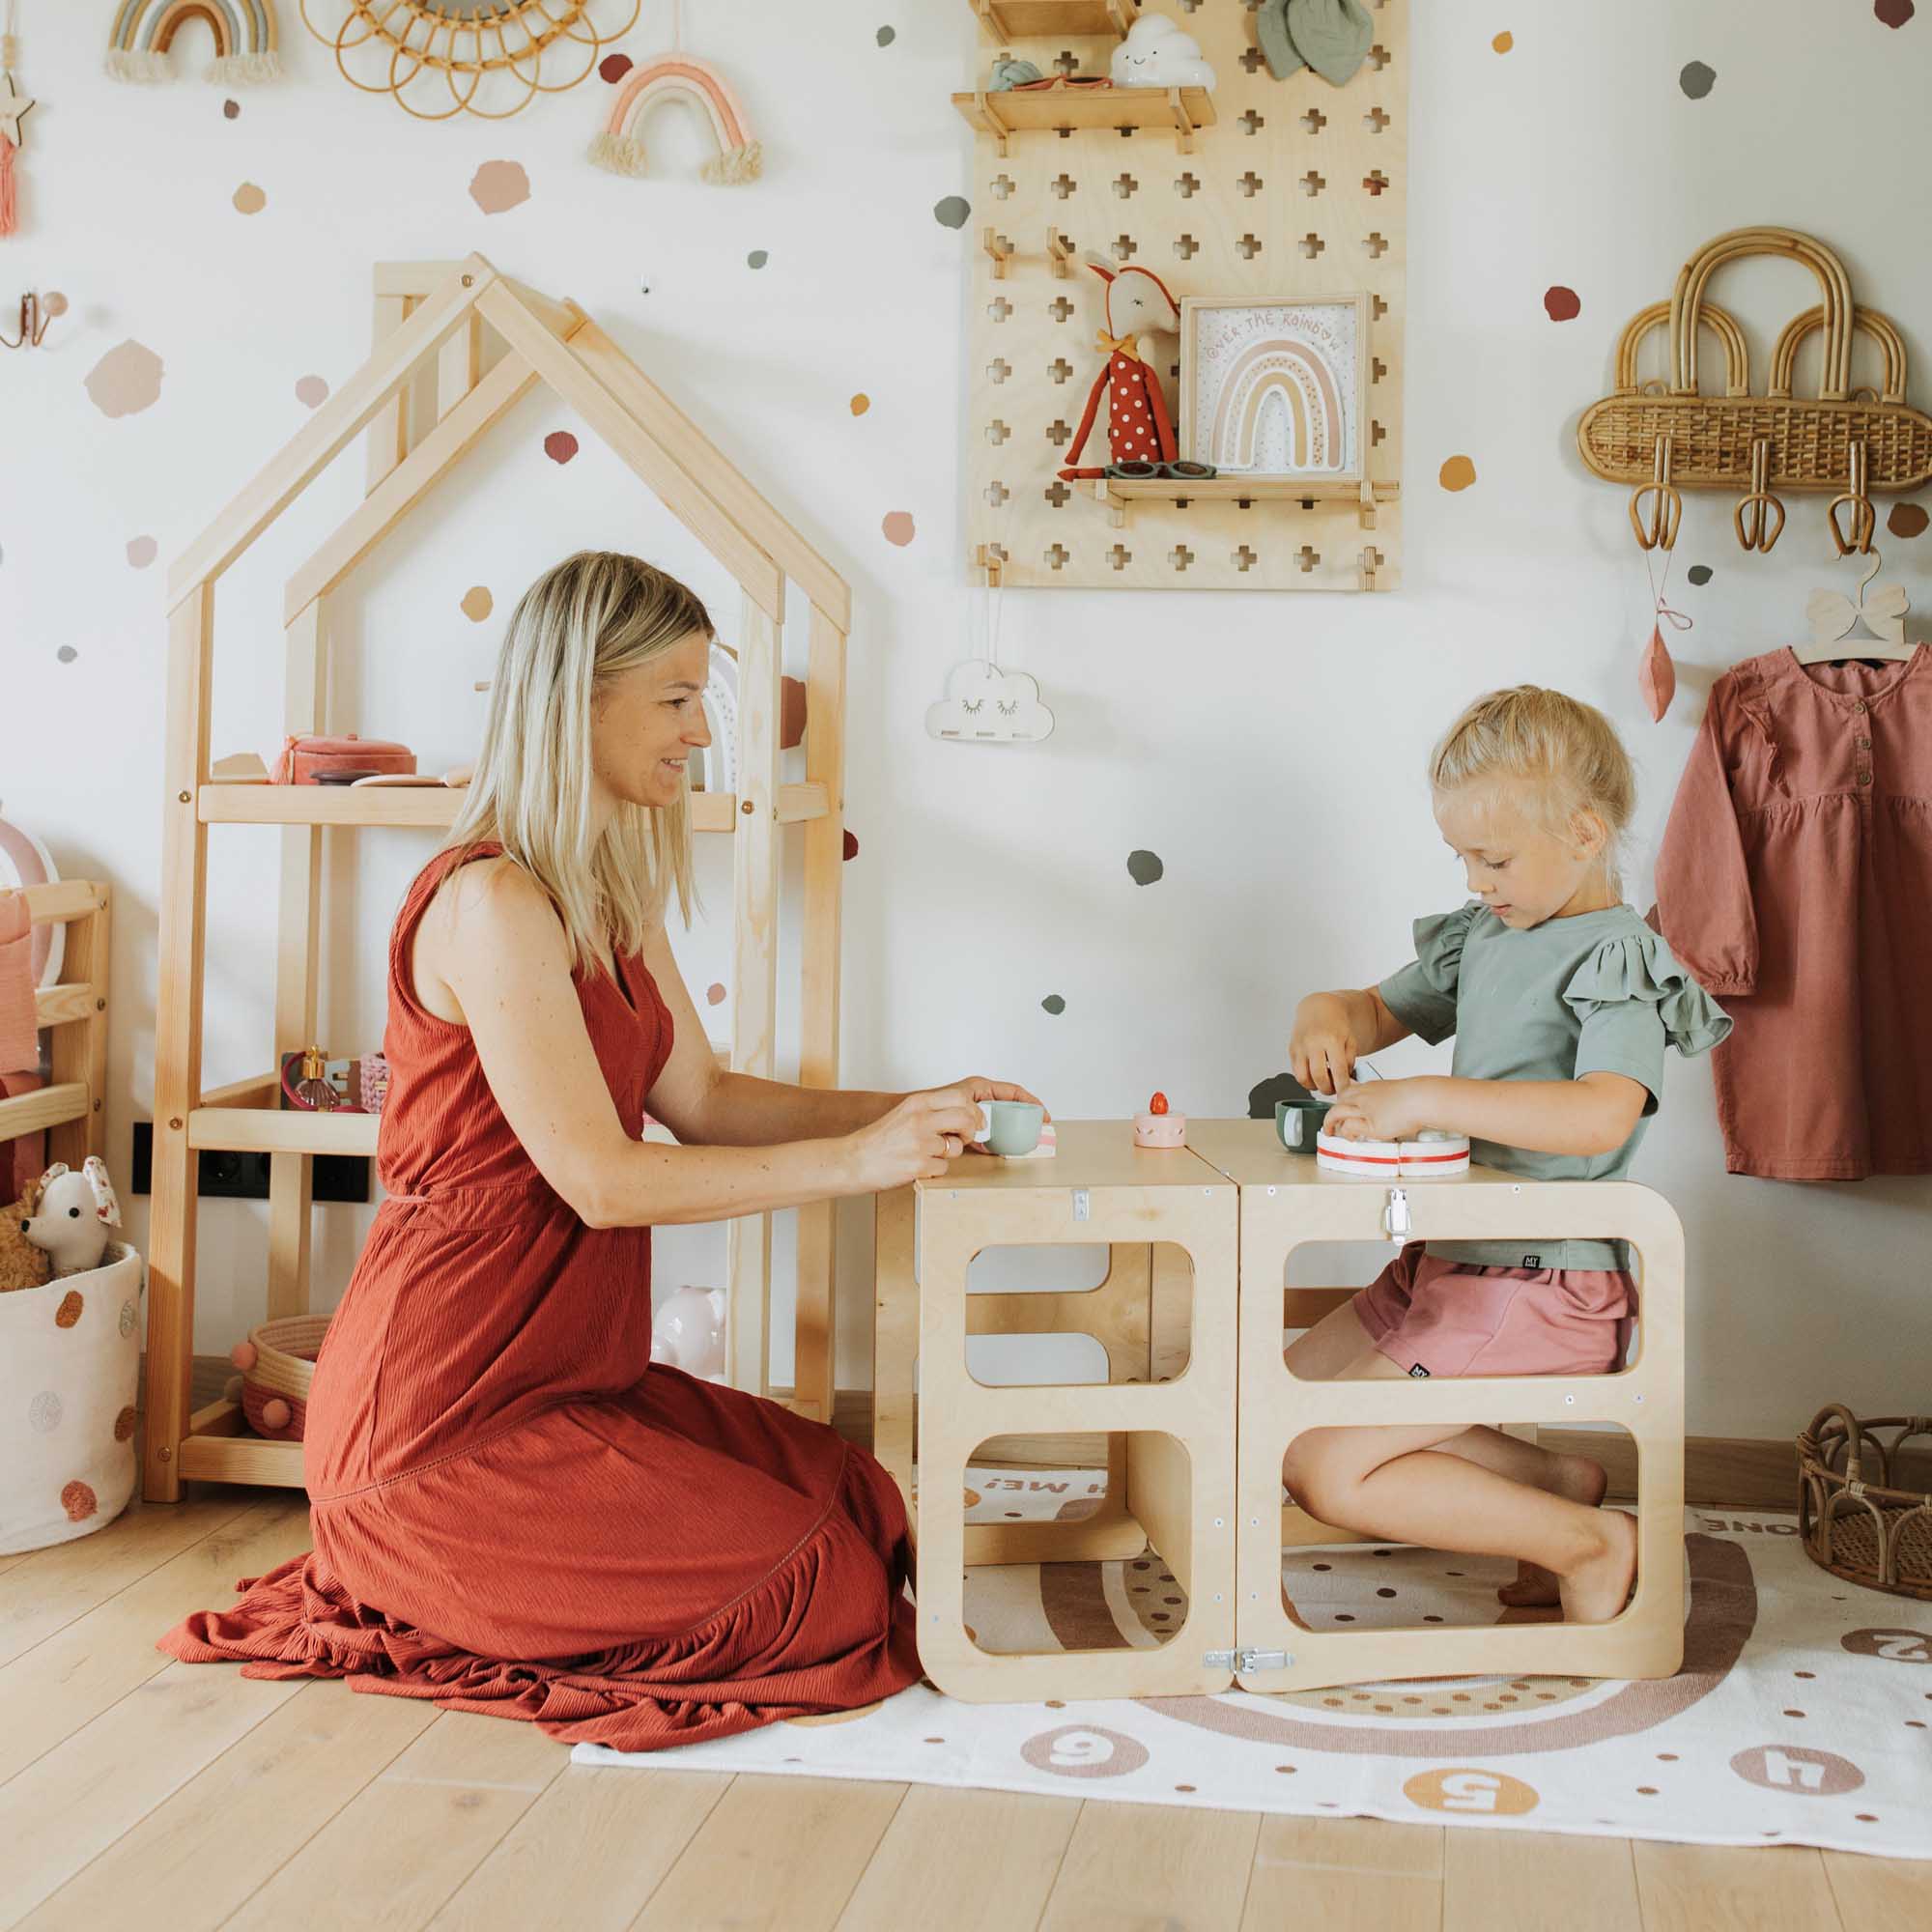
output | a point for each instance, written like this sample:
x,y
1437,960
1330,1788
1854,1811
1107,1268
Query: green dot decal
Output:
x,y
1697,80
953,212
1145,867
1699,573
757,259
887,36
1052,1004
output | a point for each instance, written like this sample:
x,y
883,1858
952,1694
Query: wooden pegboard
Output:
x,y
1297,188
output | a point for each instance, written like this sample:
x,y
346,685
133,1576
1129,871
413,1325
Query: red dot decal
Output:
x,y
559,446
851,844
1561,305
1894,13
614,68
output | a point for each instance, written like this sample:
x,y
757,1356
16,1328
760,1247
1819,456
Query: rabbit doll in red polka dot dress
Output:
x,y
1139,429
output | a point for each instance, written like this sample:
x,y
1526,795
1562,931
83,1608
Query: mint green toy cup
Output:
x,y
1012,1126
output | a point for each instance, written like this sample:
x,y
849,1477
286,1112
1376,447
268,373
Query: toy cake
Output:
x,y
1160,1126
1431,1153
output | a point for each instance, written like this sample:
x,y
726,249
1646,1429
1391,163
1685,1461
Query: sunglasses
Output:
x,y
1065,80
1142,472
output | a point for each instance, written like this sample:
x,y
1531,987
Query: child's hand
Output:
x,y
1383,1110
1322,1050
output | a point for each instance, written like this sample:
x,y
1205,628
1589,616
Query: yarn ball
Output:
x,y
276,1413
244,1355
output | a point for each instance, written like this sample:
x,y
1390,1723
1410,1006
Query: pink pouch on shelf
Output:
x,y
312,760
24,1157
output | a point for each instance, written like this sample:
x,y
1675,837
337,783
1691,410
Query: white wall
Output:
x,y
986,880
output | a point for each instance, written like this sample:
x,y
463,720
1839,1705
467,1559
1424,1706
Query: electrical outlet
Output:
x,y
225,1174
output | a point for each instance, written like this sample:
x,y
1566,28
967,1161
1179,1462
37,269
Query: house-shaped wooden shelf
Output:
x,y
1007,21
446,314
1013,111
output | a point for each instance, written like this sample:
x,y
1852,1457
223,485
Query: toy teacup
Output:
x,y
1011,1126
1298,1123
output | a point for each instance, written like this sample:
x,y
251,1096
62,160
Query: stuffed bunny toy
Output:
x,y
75,1211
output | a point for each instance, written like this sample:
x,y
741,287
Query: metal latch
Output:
x,y
1080,1205
1242,1662
1395,1216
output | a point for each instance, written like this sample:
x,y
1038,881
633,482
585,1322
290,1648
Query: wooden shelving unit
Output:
x,y
1006,20
1012,111
436,315
1118,494
70,1109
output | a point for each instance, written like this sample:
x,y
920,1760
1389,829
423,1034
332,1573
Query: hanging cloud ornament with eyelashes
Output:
x,y
1016,717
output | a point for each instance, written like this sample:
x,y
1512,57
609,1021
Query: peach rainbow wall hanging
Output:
x,y
140,44
679,76
13,106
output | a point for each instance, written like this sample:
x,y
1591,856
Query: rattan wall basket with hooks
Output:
x,y
1664,436
1865,1531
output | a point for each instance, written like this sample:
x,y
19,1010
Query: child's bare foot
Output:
x,y
1597,1588
1580,1481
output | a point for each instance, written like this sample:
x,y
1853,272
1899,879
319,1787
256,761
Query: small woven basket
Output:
x,y
1865,1531
284,1366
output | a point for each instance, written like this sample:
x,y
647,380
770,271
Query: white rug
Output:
x,y
1802,1714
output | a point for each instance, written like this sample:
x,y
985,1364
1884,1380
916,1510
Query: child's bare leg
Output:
x,y
1576,1478
1331,1348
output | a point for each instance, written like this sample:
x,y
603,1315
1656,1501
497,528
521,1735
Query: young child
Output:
x,y
1562,1001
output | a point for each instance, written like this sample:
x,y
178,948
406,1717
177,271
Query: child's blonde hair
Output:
x,y
585,621
1568,750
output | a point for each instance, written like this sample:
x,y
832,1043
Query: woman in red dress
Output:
x,y
515,1511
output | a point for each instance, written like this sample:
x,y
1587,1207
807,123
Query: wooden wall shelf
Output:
x,y
1011,111
1039,19
1119,494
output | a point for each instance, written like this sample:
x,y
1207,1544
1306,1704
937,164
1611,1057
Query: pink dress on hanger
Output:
x,y
1796,882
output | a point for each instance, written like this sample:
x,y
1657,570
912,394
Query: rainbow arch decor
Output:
x,y
619,148
1275,389
139,46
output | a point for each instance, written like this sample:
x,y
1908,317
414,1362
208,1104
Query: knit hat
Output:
x,y
1333,37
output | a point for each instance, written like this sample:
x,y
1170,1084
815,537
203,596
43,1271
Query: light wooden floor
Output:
x,y
141,1793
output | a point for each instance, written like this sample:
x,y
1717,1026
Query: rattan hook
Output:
x,y
1656,525
1760,517
1864,519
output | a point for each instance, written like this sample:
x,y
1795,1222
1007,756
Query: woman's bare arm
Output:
x,y
495,944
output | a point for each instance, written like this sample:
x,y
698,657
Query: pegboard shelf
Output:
x,y
1039,19
1118,494
1065,109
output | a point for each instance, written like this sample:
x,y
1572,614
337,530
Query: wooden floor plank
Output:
x,y
1346,1873
391,1859
68,1805
1734,1889
967,1861
587,1854
195,1858
1879,1894
1153,1865
53,1587
1505,1881
776,1855
69,1679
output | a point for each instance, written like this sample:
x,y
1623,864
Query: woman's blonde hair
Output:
x,y
585,621
1567,751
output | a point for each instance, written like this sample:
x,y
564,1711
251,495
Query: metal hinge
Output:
x,y
1241,1663
1081,1210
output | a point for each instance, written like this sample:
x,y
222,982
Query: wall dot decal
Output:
x,y
500,185
1894,13
614,68
861,403
312,391
66,654
1144,867
142,551
1561,305
757,259
1697,80
231,110
1699,573
897,528
1052,1004
885,35
713,994
250,199
125,381
792,703
953,212
477,603
1503,42
1907,520
1457,473
851,849
559,446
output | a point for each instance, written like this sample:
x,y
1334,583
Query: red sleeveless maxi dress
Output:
x,y
514,1510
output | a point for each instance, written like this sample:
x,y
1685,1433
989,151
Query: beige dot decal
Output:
x,y
142,551
861,403
125,381
1503,42
500,185
311,391
123,1425
1457,473
250,199
713,994
68,1311
897,528
1473,1793
477,603
78,1501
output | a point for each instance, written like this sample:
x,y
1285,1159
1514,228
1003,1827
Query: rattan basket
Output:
x,y
283,1370
1864,1531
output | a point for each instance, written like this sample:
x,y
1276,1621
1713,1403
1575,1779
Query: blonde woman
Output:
x,y
1562,1001
514,1510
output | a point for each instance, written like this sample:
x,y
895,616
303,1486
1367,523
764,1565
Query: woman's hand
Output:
x,y
1385,1110
977,1089
1323,1049
918,1137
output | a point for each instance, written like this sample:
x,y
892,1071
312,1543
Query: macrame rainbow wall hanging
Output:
x,y
244,40
619,148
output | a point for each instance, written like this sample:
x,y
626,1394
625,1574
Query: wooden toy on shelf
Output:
x,y
432,317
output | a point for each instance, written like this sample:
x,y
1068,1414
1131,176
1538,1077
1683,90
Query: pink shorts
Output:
x,y
1435,1318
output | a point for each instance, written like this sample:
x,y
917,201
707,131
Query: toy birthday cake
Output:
x,y
1160,1126
1431,1153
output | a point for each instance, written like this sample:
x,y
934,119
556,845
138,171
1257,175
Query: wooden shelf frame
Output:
x,y
445,316
71,1107
1012,111
1008,20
